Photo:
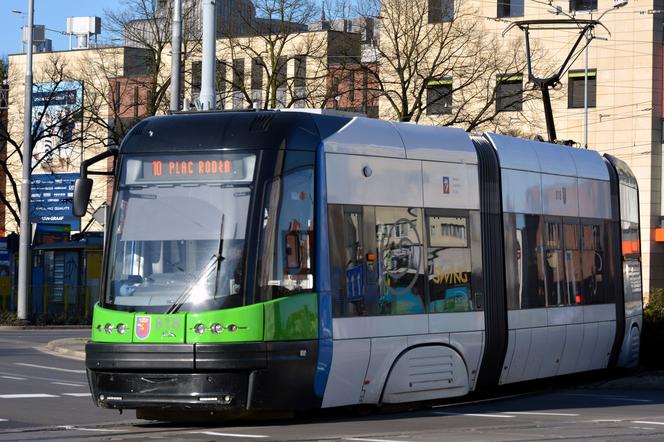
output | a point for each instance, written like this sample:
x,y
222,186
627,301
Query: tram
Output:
x,y
287,260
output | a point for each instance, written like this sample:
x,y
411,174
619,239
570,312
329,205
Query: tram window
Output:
x,y
573,264
399,240
554,271
286,255
449,264
524,261
593,262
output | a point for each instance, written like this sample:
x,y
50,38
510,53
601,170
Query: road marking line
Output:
x,y
371,440
71,427
599,421
213,433
472,414
610,398
77,394
648,422
16,378
67,384
25,396
3,420
541,413
49,368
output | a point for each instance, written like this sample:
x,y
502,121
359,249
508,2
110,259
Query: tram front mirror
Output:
x,y
82,191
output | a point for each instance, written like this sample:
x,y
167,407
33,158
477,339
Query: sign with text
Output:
x,y
51,199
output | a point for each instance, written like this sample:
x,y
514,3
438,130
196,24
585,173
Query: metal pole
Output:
x,y
25,233
176,45
585,99
209,63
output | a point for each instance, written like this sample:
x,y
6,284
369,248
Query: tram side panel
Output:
x,y
404,316
561,316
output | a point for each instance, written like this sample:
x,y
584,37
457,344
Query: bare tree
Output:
x,y
271,43
435,59
146,24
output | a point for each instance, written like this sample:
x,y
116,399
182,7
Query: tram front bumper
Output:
x,y
203,376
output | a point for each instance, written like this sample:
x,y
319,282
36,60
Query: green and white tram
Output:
x,y
294,260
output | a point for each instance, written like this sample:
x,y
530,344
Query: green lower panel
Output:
x,y
285,319
292,318
241,324
101,317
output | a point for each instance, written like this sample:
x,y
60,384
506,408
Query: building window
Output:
x,y
257,73
510,8
220,79
509,92
576,87
136,101
281,81
441,11
582,5
257,67
196,72
439,96
238,83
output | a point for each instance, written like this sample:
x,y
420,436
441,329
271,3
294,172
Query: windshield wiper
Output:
x,y
214,263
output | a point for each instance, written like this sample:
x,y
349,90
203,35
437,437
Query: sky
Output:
x,y
51,13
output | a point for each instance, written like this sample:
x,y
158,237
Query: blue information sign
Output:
x,y
51,199
354,283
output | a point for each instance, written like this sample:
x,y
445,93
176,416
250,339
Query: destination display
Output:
x,y
171,168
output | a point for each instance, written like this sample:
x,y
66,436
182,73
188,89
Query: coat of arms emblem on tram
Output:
x,y
142,327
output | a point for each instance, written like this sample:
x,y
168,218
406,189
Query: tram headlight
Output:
x,y
108,328
122,328
199,329
232,327
216,328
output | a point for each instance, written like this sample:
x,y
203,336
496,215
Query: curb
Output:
x,y
63,347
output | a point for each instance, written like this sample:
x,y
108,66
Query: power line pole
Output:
x,y
176,44
24,243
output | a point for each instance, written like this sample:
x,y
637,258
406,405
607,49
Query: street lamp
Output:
x,y
23,15
24,240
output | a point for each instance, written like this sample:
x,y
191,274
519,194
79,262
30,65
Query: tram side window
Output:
x,y
347,261
554,271
449,264
286,253
594,262
400,265
524,261
573,269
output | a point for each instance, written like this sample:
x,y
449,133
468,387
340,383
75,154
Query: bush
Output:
x,y
652,337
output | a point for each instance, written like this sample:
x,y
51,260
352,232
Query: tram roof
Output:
x,y
231,130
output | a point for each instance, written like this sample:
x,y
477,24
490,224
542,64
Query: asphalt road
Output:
x,y
45,397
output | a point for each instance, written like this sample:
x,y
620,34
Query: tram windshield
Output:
x,y
178,232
